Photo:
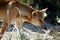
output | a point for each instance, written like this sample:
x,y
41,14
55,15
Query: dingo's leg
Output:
x,y
3,29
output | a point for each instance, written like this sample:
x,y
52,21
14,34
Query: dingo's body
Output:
x,y
19,11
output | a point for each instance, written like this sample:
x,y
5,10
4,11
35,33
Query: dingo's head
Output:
x,y
38,17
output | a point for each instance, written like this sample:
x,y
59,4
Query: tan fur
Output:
x,y
26,14
9,0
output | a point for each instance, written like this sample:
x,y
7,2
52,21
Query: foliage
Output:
x,y
26,1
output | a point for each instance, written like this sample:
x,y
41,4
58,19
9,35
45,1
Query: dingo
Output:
x,y
16,11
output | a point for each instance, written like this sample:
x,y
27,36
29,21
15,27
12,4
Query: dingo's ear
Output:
x,y
43,10
35,12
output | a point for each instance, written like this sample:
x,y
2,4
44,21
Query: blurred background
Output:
x,y
53,12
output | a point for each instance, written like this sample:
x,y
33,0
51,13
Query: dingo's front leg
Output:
x,y
3,29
